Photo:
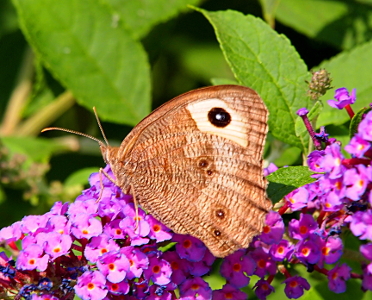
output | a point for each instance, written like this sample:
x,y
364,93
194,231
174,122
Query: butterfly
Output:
x,y
195,163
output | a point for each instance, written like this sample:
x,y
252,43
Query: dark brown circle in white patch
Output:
x,y
219,117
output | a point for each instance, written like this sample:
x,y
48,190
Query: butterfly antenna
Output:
x,y
100,126
73,132
83,134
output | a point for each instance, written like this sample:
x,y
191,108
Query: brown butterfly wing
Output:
x,y
197,177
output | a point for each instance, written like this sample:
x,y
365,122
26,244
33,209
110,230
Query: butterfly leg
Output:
x,y
102,171
135,207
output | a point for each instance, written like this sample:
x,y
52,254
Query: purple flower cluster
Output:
x,y
101,247
101,250
340,199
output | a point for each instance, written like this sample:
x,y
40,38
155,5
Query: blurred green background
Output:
x,y
182,53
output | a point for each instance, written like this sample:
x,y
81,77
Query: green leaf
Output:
x,y
35,149
268,63
313,294
80,177
341,134
269,9
353,129
203,61
352,291
335,22
351,70
2,195
285,180
141,16
40,99
8,18
90,51
166,247
288,157
218,81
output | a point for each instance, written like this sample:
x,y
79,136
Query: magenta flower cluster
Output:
x,y
341,200
101,250
100,247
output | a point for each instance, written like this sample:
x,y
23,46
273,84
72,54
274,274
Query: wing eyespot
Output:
x,y
217,233
220,214
219,117
203,163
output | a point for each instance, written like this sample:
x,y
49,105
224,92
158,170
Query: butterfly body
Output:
x,y
195,163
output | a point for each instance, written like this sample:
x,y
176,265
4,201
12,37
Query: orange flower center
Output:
x,y
325,250
305,251
175,265
334,275
187,243
338,185
156,228
280,250
57,250
303,229
261,263
156,269
237,267
266,229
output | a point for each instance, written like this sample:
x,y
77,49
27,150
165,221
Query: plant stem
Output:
x,y
33,125
19,95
